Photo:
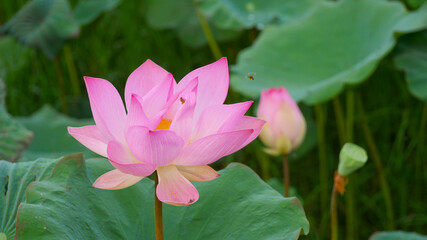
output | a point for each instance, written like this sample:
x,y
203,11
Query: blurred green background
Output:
x,y
370,100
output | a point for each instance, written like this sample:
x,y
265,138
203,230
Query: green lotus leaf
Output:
x,y
87,10
14,179
237,205
43,24
13,56
182,17
277,184
413,60
414,21
340,43
230,14
14,137
415,3
2,94
397,235
51,138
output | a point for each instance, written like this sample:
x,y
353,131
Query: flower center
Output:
x,y
164,125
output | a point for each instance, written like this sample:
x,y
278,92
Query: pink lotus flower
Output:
x,y
285,125
176,129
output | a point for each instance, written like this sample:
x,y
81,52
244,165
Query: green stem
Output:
x,y
158,213
208,33
378,164
339,115
252,35
345,130
264,163
323,164
7,9
350,209
421,133
334,215
69,60
350,116
350,196
61,86
286,181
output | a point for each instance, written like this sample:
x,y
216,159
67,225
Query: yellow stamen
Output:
x,y
164,125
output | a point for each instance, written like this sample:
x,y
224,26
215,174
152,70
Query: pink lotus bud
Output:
x,y
285,125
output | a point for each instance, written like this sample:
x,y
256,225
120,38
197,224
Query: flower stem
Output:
x,y
286,181
323,164
345,133
421,133
339,116
334,215
208,33
158,215
378,164
350,196
349,124
252,35
61,86
72,70
264,164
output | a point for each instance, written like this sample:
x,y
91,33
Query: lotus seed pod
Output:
x,y
352,157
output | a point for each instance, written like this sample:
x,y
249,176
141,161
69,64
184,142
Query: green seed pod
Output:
x,y
352,157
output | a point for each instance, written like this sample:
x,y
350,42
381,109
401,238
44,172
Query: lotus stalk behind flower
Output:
x,y
176,129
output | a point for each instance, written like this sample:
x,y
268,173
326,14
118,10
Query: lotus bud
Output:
x,y
352,157
285,125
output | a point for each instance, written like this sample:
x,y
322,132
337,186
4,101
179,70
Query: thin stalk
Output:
x,y
264,163
323,164
421,133
69,60
158,215
339,115
350,209
419,163
286,181
208,33
376,157
349,116
7,9
334,215
61,86
350,196
252,34
345,133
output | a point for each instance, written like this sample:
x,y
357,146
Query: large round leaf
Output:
x,y
413,60
14,179
13,56
231,14
415,21
415,3
182,17
237,205
339,43
14,137
397,235
51,138
43,24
